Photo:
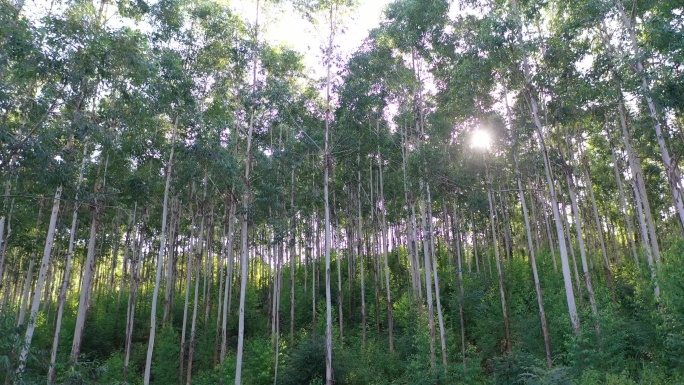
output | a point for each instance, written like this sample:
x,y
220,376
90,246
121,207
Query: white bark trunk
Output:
x,y
227,288
245,220
580,244
499,272
35,305
65,277
428,282
160,258
88,271
440,318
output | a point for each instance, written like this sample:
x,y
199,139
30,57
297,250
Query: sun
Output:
x,y
480,139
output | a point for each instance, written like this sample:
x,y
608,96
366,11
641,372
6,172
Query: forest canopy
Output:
x,y
481,192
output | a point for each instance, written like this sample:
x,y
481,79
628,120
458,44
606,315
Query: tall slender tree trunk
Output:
x,y
428,280
115,255
195,302
461,316
499,272
327,164
171,263
28,283
440,318
136,263
571,248
193,323
88,272
160,258
3,238
359,245
292,242
475,253
35,305
244,226
227,288
188,280
580,244
644,237
65,277
383,242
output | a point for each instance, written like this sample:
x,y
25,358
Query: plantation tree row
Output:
x,y
169,175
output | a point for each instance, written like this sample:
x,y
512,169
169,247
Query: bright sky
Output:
x,y
283,25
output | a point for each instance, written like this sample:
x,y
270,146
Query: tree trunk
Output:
x,y
188,280
502,292
41,282
292,242
171,264
28,284
571,248
383,242
136,263
246,193
160,258
88,272
227,288
359,245
461,316
475,253
193,325
580,243
327,166
3,239
428,281
65,277
115,256
440,318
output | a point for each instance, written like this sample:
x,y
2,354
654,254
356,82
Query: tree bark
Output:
x,y
65,278
41,282
457,239
188,280
580,243
246,193
160,258
383,242
499,273
359,245
88,272
428,281
136,263
440,318
227,288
